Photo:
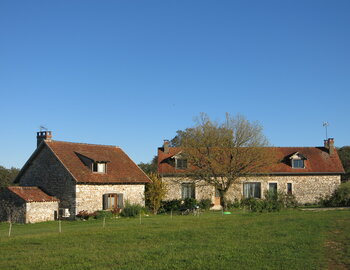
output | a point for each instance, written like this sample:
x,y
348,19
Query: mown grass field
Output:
x,y
290,239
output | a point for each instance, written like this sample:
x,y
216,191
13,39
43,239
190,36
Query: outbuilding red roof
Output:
x,y
120,168
32,194
318,161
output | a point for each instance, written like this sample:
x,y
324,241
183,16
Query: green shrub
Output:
x,y
205,204
178,205
251,204
234,204
290,201
173,205
103,214
132,210
340,197
272,202
189,203
155,192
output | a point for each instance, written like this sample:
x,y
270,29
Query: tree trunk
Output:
x,y
223,200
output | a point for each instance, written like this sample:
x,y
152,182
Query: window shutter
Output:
x,y
193,191
105,201
120,203
257,190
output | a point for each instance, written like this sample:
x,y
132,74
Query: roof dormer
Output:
x,y
180,161
95,165
297,160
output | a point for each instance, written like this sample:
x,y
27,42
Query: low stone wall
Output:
x,y
90,197
306,188
41,211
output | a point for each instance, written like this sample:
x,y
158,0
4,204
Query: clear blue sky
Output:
x,y
131,73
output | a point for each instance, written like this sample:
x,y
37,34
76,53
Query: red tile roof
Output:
x,y
32,194
120,168
318,161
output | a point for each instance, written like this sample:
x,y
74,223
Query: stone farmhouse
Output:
x,y
66,178
306,172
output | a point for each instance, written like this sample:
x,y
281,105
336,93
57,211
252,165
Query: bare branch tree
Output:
x,y
220,153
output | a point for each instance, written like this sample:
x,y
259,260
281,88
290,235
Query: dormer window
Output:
x,y
99,167
181,163
297,161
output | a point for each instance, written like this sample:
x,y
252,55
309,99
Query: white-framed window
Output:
x,y
181,163
188,191
99,167
252,190
298,163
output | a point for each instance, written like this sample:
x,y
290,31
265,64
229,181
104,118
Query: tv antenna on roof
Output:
x,y
326,124
42,128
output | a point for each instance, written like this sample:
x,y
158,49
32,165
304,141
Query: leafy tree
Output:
x,y
220,153
7,176
176,141
344,154
150,167
155,192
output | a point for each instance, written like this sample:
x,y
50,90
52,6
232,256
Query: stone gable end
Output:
x,y
48,173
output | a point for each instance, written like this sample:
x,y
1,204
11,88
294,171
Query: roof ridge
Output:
x,y
178,147
93,144
294,146
23,187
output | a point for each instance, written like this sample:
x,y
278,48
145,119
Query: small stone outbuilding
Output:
x,y
27,205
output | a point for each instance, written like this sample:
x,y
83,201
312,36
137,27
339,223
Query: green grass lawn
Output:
x,y
290,239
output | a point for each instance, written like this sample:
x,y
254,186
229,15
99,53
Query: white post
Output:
x,y
10,229
140,217
59,226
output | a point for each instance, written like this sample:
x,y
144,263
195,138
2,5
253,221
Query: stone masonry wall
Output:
x,y
12,207
173,185
90,197
306,188
40,211
47,172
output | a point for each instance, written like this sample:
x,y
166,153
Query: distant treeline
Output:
x,y
7,176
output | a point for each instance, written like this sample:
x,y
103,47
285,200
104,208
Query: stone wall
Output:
x,y
12,207
90,197
173,185
41,211
48,173
306,188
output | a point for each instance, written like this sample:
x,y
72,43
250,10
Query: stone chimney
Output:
x,y
329,144
166,146
43,135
